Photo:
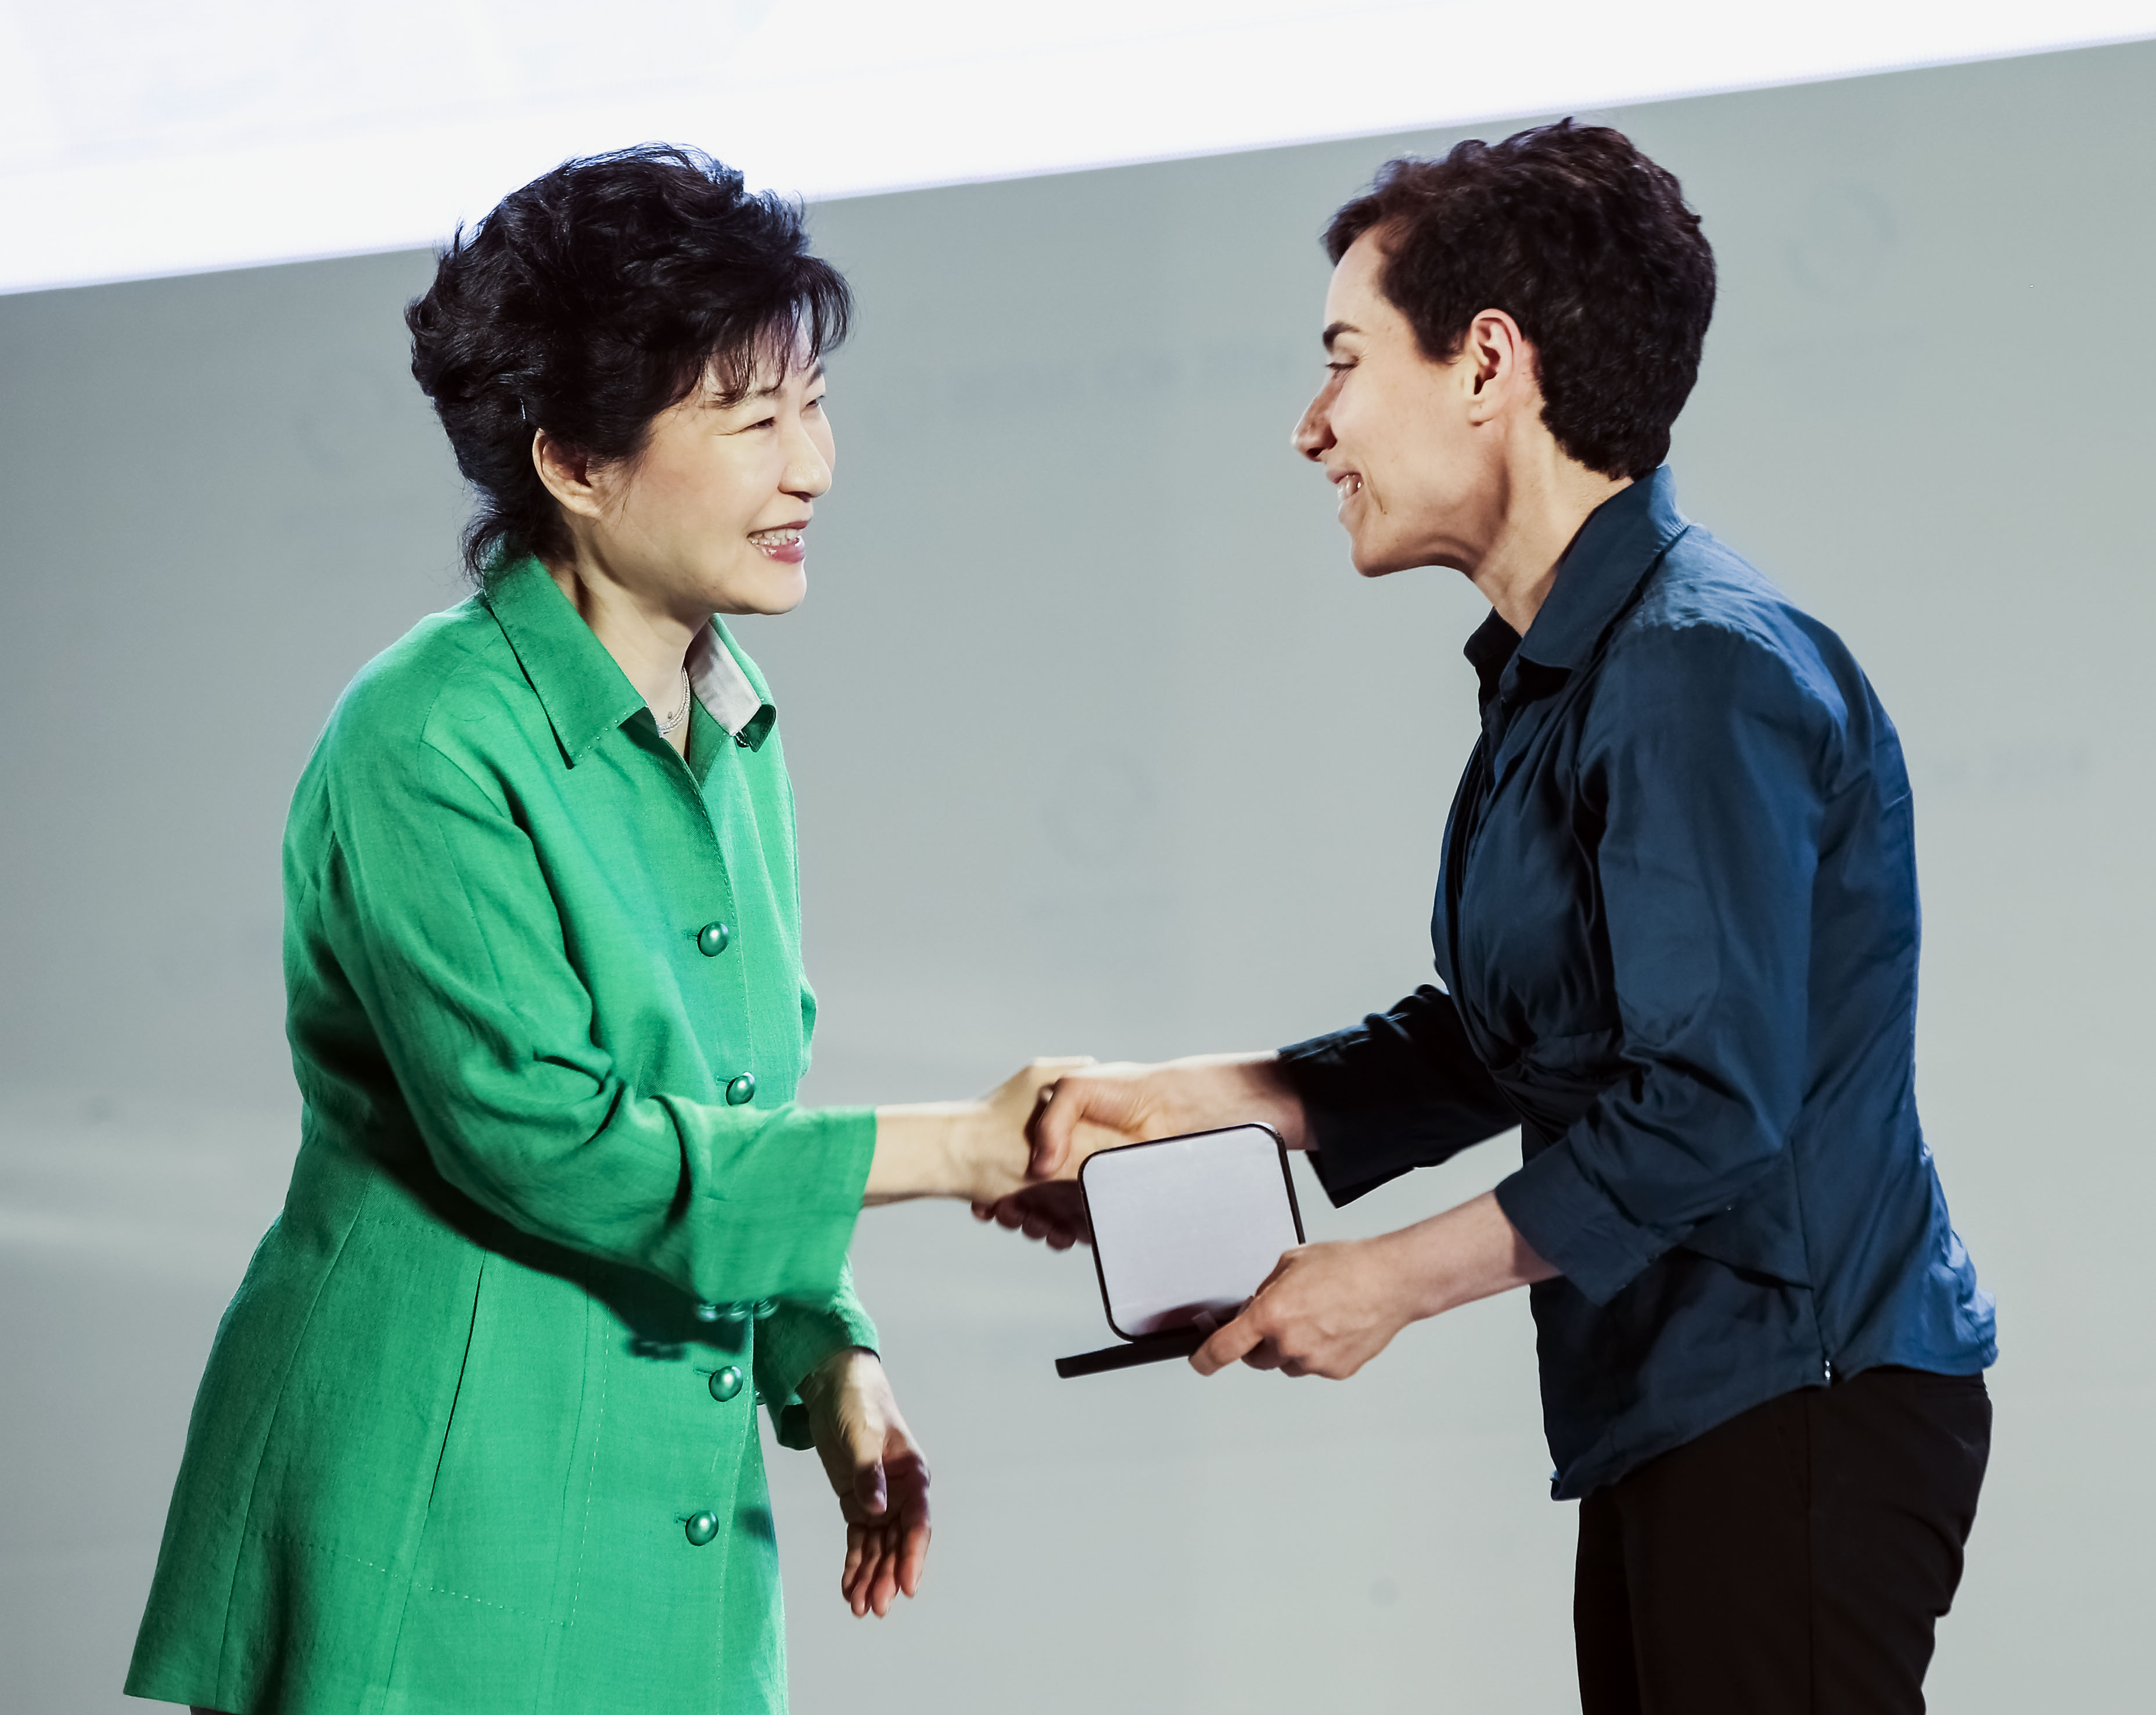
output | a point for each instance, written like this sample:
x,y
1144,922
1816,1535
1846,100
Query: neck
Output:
x,y
1546,498
649,642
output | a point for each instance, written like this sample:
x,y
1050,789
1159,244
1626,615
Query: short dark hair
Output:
x,y
1581,239
593,300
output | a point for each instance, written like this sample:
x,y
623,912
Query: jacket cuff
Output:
x,y
1574,1225
788,1205
790,1345
1350,1156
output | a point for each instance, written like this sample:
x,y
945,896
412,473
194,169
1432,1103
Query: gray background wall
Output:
x,y
1100,746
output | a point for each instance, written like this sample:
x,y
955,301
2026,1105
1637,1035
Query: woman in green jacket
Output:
x,y
477,1430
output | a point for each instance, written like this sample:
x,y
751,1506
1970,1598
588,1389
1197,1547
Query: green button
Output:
x,y
726,1383
713,1313
712,938
701,1529
741,1089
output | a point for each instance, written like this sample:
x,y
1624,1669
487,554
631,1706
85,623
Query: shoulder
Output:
x,y
1711,630
450,675
1713,658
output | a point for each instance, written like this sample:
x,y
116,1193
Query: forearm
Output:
x,y
1203,1092
928,1149
1328,1309
1469,1252
1404,1089
729,1203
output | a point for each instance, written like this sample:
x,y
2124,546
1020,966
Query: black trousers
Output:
x,y
1792,1561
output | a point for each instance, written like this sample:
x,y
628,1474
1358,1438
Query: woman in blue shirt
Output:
x,y
1677,932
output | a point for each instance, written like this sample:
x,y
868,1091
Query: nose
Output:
x,y
1313,434
807,467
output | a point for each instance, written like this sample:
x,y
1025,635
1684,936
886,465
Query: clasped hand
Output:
x,y
1032,1165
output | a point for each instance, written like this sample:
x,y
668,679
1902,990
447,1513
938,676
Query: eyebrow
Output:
x,y
814,375
1336,329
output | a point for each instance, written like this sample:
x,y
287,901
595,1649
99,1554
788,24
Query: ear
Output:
x,y
567,473
1499,367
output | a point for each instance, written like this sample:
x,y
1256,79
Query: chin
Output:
x,y
1375,562
771,590
785,594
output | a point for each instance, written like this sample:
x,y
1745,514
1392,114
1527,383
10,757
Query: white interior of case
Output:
x,y
1187,1227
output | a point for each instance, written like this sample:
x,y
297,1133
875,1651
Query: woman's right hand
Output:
x,y
1165,1100
1002,1150
982,1151
1092,1107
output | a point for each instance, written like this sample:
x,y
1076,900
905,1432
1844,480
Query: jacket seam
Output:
x,y
435,1589
456,1393
591,1487
269,1435
301,1539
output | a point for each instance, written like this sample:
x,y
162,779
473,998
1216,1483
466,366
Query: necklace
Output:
x,y
667,723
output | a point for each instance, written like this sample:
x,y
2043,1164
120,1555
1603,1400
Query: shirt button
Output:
x,y
710,1312
726,1383
701,1529
712,938
741,1090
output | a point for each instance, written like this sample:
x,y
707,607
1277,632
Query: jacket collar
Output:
x,y
1616,548
583,690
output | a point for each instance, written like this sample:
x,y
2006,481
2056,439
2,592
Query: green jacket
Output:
x,y
478,1431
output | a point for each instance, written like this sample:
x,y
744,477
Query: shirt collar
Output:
x,y
583,689
1616,548
726,687
1488,651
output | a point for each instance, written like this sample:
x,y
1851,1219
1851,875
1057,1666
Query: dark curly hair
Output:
x,y
594,299
1581,239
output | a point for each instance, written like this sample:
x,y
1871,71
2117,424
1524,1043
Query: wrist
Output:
x,y
925,1149
1204,1090
1416,1261
835,1373
1467,1253
969,1154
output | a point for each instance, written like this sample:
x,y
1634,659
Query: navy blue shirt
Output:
x,y
1676,927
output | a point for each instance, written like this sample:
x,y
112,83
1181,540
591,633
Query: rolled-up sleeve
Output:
x,y
432,903
1702,758
1400,1090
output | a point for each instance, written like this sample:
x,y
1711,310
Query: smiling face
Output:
x,y
1413,447
709,518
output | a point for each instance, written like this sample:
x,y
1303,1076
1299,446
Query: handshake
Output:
x,y
1326,1310
1015,1154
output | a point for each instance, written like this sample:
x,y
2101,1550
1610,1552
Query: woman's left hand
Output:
x,y
878,1474
1325,1310
1328,1309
